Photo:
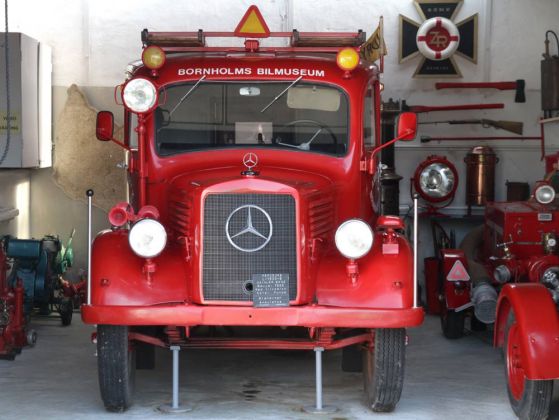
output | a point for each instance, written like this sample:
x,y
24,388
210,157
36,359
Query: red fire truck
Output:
x,y
527,319
512,280
252,174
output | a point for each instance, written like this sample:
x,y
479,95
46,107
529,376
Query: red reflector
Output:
x,y
458,272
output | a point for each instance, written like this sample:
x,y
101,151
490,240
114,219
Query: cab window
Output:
x,y
297,116
369,136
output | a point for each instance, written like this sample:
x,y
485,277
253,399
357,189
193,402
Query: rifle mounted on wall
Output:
x,y
515,127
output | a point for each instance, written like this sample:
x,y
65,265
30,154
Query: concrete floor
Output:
x,y
455,380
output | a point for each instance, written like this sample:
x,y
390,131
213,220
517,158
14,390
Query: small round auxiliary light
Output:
x,y
347,59
436,179
544,193
153,57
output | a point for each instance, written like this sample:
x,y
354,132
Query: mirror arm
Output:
x,y
121,144
394,140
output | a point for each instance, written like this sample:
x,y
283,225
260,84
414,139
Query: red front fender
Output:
x,y
118,277
384,280
538,322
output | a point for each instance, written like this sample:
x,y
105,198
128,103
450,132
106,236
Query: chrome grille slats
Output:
x,y
226,270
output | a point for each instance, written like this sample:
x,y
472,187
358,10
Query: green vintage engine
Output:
x,y
39,264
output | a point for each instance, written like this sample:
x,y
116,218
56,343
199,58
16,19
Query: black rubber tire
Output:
x,y
352,358
116,366
383,369
66,310
452,324
535,401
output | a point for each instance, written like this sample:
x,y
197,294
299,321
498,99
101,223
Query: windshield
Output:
x,y
294,115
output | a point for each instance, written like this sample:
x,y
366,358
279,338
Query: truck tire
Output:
x,y
530,399
352,358
383,369
452,324
116,365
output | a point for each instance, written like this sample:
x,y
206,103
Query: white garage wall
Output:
x,y
94,40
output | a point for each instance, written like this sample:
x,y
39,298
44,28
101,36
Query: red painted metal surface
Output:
x,y
522,223
538,329
292,316
327,190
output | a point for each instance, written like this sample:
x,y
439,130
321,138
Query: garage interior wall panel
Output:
x,y
30,109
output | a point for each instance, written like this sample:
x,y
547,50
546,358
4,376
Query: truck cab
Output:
x,y
252,220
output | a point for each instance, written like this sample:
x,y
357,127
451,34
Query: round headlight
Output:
x,y
544,194
436,179
354,238
147,238
139,95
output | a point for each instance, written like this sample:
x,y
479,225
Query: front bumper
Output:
x,y
292,316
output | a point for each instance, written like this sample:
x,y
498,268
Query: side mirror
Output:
x,y
406,126
105,126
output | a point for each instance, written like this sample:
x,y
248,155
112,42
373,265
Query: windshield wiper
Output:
x,y
303,146
187,94
282,93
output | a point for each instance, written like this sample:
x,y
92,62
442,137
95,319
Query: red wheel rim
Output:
x,y
515,372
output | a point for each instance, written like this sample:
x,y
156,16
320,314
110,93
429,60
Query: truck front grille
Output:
x,y
243,235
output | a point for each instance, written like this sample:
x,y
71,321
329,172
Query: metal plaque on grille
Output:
x,y
270,290
243,235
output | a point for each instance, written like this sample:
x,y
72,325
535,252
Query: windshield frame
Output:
x,y
271,147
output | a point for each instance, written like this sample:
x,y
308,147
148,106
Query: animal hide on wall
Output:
x,y
81,161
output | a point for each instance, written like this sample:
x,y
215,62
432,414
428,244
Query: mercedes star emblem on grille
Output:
x,y
261,234
250,160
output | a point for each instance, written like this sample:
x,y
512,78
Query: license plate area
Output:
x,y
270,290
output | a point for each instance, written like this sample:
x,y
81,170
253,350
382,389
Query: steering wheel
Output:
x,y
306,145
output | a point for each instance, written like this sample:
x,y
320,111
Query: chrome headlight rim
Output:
x,y
139,85
450,173
135,237
341,235
544,194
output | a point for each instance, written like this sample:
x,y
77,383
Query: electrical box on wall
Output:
x,y
30,94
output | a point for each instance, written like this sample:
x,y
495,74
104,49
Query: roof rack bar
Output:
x,y
332,50
174,39
298,39
327,39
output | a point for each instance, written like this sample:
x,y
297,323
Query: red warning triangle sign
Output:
x,y
252,25
458,272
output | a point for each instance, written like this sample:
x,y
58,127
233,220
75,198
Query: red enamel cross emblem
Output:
x,y
438,39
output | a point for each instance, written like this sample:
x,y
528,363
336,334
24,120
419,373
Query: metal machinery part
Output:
x,y
550,78
484,298
390,180
550,279
14,334
38,265
480,175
